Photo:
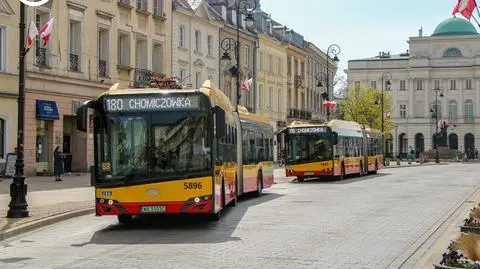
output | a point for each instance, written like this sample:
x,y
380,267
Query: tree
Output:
x,y
365,107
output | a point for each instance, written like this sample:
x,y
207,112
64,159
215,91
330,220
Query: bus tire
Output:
x,y
218,215
342,172
258,193
300,179
125,219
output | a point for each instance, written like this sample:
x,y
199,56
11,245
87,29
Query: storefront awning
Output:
x,y
47,110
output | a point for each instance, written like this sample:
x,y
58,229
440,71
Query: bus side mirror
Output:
x,y
335,138
220,121
82,116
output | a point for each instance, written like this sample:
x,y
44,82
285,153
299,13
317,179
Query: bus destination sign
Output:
x,y
151,103
309,130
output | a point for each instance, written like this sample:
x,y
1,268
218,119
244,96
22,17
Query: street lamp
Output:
x,y
333,49
229,44
441,90
18,189
320,78
386,83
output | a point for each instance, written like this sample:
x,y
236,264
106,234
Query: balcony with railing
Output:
x,y
41,57
143,78
74,62
300,114
102,68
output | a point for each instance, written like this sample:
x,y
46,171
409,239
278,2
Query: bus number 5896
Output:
x,y
192,185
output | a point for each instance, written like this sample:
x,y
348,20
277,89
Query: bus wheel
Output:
x,y
125,219
259,184
217,216
300,179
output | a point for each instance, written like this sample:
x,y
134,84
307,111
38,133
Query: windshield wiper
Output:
x,y
130,175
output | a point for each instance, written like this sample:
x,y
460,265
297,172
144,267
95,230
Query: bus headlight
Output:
x,y
197,199
110,202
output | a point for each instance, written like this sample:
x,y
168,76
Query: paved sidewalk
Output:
x,y
48,202
393,164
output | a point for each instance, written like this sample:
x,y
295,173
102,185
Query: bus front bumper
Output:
x,y
197,205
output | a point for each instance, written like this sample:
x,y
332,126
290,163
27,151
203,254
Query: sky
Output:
x,y
362,28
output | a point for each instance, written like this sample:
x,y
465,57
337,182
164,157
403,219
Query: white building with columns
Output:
x,y
448,60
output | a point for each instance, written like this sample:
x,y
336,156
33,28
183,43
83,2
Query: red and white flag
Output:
x,y
32,33
465,7
247,84
330,104
46,31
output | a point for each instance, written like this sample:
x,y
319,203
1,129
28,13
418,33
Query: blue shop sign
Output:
x,y
47,110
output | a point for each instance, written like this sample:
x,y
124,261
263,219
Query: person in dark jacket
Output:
x,y
58,163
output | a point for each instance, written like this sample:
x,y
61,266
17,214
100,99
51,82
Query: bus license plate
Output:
x,y
153,209
308,174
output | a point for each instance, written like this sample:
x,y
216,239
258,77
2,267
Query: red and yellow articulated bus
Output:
x,y
337,148
175,151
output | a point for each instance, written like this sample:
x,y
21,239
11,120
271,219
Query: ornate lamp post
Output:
x,y
229,44
334,50
18,189
386,83
320,78
441,90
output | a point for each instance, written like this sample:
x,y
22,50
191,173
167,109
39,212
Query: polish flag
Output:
x,y
465,7
331,104
247,84
46,31
32,33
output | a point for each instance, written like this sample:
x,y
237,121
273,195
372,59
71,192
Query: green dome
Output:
x,y
455,26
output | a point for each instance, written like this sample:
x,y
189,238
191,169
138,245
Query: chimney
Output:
x,y
420,32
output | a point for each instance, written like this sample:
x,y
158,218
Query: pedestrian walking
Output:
x,y
58,163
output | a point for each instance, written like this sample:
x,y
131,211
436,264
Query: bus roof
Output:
x,y
216,96
246,115
342,124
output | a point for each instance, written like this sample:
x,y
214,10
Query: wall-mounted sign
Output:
x,y
151,103
309,130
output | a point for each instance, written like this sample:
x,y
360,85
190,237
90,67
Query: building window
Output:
x,y
419,85
198,41
357,85
279,100
181,40
260,62
469,111
403,85
437,84
41,52
452,52
468,84
3,131
260,95
373,84
452,110
453,84
270,98
270,61
279,63
158,8
157,60
198,79
210,45
103,51
123,52
247,56
142,5
435,109
3,42
75,50
141,54
182,74
403,111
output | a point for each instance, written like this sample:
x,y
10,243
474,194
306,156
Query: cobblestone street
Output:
x,y
379,221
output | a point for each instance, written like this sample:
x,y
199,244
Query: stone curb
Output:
x,y
410,165
27,227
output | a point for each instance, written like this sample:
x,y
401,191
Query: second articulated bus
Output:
x,y
337,148
173,151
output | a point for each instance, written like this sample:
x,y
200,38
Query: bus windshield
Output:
x,y
308,147
145,146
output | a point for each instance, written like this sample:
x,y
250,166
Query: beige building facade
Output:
x,y
94,44
195,42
